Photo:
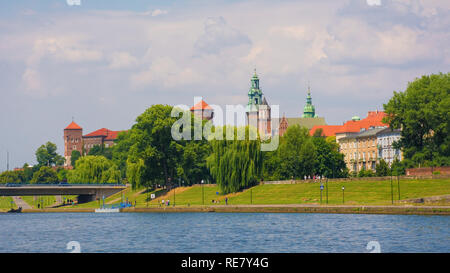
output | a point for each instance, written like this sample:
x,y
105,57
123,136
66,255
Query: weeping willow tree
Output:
x,y
235,164
94,169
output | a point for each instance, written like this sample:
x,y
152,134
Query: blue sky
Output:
x,y
105,62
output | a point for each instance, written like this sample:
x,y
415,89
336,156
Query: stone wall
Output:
x,y
423,171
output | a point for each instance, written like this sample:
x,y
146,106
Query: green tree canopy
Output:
x,y
235,164
46,155
422,111
74,157
295,157
45,175
154,155
120,151
93,169
12,177
382,168
329,161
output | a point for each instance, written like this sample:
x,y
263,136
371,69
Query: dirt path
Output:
x,y
21,203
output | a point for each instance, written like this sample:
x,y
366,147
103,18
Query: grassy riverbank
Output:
x,y
357,193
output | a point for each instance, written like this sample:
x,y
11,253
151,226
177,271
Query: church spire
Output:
x,y
309,110
254,94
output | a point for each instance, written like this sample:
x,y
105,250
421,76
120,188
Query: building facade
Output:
x,y
360,149
74,140
385,140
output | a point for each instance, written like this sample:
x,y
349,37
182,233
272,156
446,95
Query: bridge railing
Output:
x,y
62,184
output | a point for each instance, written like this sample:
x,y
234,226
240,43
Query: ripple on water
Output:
x,y
222,232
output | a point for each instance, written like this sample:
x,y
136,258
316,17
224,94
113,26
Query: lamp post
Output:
x,y
398,184
343,189
392,190
327,190
321,190
251,196
203,194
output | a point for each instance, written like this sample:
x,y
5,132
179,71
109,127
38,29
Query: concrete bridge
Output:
x,y
85,192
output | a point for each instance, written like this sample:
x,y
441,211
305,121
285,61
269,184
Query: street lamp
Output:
x,y
321,190
343,189
203,193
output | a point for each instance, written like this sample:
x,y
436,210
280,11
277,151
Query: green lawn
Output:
x,y
5,203
356,193
33,201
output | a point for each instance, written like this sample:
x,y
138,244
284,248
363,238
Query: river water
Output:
x,y
222,232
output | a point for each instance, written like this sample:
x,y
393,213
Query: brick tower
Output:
x,y
73,141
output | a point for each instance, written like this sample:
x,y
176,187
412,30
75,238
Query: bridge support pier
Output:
x,y
85,198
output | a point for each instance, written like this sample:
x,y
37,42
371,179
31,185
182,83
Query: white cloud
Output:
x,y
374,2
119,60
219,35
165,73
157,12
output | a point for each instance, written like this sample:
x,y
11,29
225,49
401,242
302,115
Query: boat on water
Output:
x,y
19,210
107,210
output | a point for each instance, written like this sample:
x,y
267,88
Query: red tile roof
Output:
x,y
73,126
373,119
108,134
327,130
201,106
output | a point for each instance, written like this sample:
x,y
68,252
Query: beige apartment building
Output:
x,y
360,149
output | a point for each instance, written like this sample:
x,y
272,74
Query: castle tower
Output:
x,y
254,100
309,110
264,120
72,141
203,110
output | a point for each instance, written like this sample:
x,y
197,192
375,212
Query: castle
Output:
x,y
75,141
259,113
258,110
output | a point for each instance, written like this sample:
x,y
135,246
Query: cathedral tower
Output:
x,y
309,110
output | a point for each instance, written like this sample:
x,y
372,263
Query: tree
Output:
x,y
329,161
46,155
93,169
295,157
422,111
193,162
235,164
398,167
45,175
74,157
120,152
154,155
382,168
12,177
27,173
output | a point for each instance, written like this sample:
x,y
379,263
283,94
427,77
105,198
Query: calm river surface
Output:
x,y
222,232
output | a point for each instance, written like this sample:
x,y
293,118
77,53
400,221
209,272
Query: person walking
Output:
x,y
226,200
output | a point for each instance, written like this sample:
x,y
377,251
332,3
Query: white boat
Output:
x,y
107,210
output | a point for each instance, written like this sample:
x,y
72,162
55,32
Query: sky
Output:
x,y
103,62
